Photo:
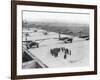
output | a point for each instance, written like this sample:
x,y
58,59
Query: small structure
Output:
x,y
35,30
45,33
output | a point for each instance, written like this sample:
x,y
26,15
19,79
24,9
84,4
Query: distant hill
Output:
x,y
65,28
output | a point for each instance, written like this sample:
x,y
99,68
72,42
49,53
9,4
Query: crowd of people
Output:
x,y
56,51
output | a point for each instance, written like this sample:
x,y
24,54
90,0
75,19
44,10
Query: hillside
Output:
x,y
66,28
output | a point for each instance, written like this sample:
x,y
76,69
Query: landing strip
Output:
x,y
79,57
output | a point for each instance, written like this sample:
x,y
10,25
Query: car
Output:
x,y
63,38
31,44
69,40
66,39
87,38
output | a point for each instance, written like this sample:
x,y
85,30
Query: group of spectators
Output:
x,y
65,51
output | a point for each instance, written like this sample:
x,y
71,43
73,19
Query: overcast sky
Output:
x,y
55,17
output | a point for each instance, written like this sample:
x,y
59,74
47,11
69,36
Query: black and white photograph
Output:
x,y
52,39
55,39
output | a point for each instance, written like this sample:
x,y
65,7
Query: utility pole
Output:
x,y
80,33
59,35
26,40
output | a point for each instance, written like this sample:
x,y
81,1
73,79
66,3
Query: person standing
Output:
x,y
65,56
70,52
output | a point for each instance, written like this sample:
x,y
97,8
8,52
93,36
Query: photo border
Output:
x,y
14,39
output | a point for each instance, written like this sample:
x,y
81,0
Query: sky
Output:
x,y
37,16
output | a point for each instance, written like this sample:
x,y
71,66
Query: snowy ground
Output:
x,y
79,48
